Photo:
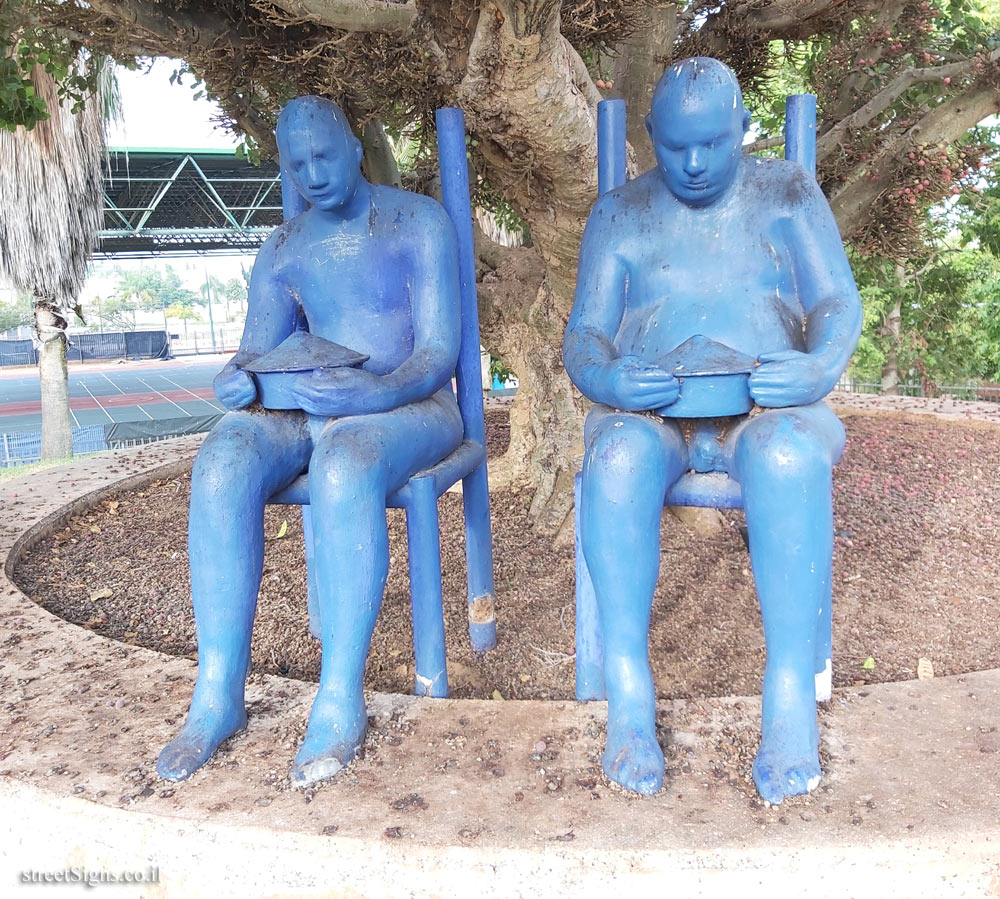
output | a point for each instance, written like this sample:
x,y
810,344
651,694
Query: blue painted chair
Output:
x,y
714,490
419,496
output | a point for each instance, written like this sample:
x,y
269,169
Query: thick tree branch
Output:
x,y
384,16
765,143
943,124
784,14
829,142
180,30
778,20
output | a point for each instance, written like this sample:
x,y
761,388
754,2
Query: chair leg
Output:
x,y
589,639
313,601
424,539
479,560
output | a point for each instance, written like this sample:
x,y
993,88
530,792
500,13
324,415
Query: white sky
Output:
x,y
160,114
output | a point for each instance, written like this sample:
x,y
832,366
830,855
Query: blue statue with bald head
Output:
x,y
375,270
714,310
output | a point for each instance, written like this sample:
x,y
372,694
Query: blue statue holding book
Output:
x,y
714,310
353,333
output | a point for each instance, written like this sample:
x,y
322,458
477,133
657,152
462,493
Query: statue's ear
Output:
x,y
649,125
746,120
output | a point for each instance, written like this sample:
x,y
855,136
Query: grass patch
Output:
x,y
18,471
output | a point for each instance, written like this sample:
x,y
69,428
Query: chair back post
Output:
x,y
610,145
454,169
800,130
457,203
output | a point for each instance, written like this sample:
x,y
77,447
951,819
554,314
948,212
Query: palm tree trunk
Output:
x,y
50,328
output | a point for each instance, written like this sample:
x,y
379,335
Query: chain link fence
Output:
x,y
23,448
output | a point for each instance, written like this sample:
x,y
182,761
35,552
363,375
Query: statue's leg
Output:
x,y
784,461
357,462
630,463
245,459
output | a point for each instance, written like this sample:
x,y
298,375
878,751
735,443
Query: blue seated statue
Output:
x,y
711,247
374,269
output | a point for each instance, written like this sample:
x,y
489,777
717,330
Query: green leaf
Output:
x,y
868,664
284,530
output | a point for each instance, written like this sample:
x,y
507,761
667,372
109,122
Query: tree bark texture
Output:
x,y
522,320
50,328
891,328
527,93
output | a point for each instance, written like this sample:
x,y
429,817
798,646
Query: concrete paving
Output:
x,y
492,797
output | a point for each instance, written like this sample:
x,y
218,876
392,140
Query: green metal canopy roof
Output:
x,y
184,201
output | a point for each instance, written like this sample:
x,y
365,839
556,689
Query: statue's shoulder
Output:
x,y
405,205
780,183
635,197
275,242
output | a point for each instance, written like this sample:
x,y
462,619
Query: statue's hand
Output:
x,y
337,391
234,387
636,386
788,378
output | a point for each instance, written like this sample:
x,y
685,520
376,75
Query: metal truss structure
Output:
x,y
186,202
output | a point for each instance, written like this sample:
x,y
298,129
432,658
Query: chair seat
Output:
x,y
708,490
468,455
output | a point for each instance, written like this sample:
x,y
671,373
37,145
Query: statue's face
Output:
x,y
322,156
697,131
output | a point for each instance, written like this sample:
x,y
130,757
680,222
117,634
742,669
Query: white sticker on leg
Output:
x,y
824,682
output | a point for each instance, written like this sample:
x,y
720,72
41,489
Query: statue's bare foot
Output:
x,y
335,733
779,775
787,762
203,731
633,758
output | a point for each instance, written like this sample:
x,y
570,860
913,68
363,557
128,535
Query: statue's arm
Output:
x,y
825,283
271,316
830,303
436,309
589,353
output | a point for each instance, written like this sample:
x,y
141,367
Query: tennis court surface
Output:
x,y
105,393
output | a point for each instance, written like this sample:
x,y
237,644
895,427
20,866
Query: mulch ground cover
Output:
x,y
916,575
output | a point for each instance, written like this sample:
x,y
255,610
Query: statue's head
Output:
x,y
319,151
697,123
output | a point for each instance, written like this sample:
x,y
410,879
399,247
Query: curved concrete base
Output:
x,y
457,795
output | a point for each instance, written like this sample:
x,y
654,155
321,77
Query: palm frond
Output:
x,y
51,196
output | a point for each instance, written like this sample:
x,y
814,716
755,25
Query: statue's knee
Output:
x,y
625,448
224,466
784,449
345,465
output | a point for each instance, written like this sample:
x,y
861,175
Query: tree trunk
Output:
x,y
523,321
378,164
529,99
890,368
638,67
50,328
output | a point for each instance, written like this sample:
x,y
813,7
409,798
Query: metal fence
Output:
x,y
198,341
989,393
86,345
23,448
